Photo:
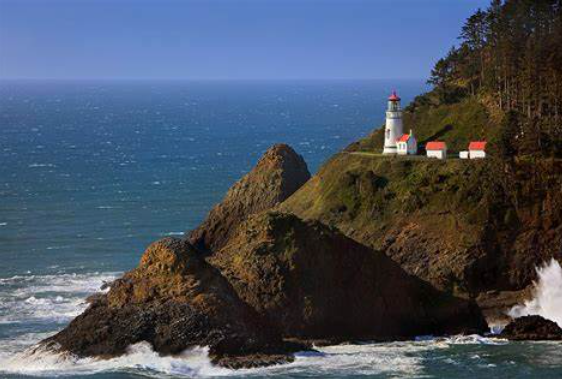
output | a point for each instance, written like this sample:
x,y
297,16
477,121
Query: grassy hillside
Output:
x,y
427,215
456,124
468,226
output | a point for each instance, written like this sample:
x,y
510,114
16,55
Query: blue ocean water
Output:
x,y
92,172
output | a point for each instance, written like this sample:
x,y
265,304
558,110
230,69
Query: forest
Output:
x,y
509,56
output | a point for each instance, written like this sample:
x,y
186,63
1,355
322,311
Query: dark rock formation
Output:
x,y
532,328
313,282
277,175
173,300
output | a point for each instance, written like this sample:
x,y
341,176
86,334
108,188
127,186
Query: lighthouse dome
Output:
x,y
394,97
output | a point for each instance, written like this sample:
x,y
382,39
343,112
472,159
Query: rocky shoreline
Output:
x,y
256,283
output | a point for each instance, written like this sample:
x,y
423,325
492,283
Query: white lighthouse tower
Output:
x,y
393,129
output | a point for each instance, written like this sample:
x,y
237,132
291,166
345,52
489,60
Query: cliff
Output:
x,y
312,282
473,228
271,278
174,300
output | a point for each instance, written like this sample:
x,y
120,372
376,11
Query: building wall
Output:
x,y
393,131
475,154
402,148
463,155
439,154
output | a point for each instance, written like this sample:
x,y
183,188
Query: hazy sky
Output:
x,y
227,39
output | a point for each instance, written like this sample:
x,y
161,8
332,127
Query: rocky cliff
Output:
x,y
473,228
271,277
312,282
277,175
174,300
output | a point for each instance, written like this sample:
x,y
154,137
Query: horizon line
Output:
x,y
204,79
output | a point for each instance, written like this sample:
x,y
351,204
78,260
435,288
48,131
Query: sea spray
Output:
x,y
547,295
140,358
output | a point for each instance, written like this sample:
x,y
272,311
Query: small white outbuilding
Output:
x,y
464,155
407,144
477,149
436,149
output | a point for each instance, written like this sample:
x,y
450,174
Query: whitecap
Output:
x,y
35,165
140,357
47,298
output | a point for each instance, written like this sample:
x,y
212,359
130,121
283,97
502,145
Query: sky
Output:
x,y
227,39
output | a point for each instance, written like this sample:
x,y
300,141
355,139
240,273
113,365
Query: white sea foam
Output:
x,y
47,298
140,357
34,165
398,360
547,295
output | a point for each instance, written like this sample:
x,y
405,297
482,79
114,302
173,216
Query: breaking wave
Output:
x,y
397,359
47,298
51,301
547,295
140,358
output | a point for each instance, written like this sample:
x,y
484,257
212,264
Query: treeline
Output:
x,y
510,55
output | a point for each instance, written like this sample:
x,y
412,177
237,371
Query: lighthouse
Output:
x,y
393,128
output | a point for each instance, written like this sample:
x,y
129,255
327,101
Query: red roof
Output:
x,y
394,97
404,138
477,145
435,145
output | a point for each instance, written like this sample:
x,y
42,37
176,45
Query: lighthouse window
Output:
x,y
387,133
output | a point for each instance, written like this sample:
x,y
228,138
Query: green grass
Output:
x,y
456,124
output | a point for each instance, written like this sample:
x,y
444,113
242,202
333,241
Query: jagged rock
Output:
x,y
173,300
313,282
532,328
277,175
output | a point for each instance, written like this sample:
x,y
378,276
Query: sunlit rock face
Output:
x,y
278,174
173,300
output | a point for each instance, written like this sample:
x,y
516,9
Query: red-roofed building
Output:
x,y
477,149
407,144
436,149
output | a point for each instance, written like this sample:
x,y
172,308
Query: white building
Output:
x,y
477,149
436,149
464,155
393,128
407,144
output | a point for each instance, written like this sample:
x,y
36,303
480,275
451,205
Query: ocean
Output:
x,y
91,172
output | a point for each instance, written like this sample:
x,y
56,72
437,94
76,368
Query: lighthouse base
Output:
x,y
390,150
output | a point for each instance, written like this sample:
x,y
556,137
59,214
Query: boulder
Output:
x,y
277,175
312,282
174,300
532,328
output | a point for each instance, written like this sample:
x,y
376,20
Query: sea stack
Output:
x,y
278,174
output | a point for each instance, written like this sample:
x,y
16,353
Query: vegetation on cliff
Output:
x,y
509,56
370,247
475,228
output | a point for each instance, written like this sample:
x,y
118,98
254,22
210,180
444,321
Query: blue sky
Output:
x,y
227,39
